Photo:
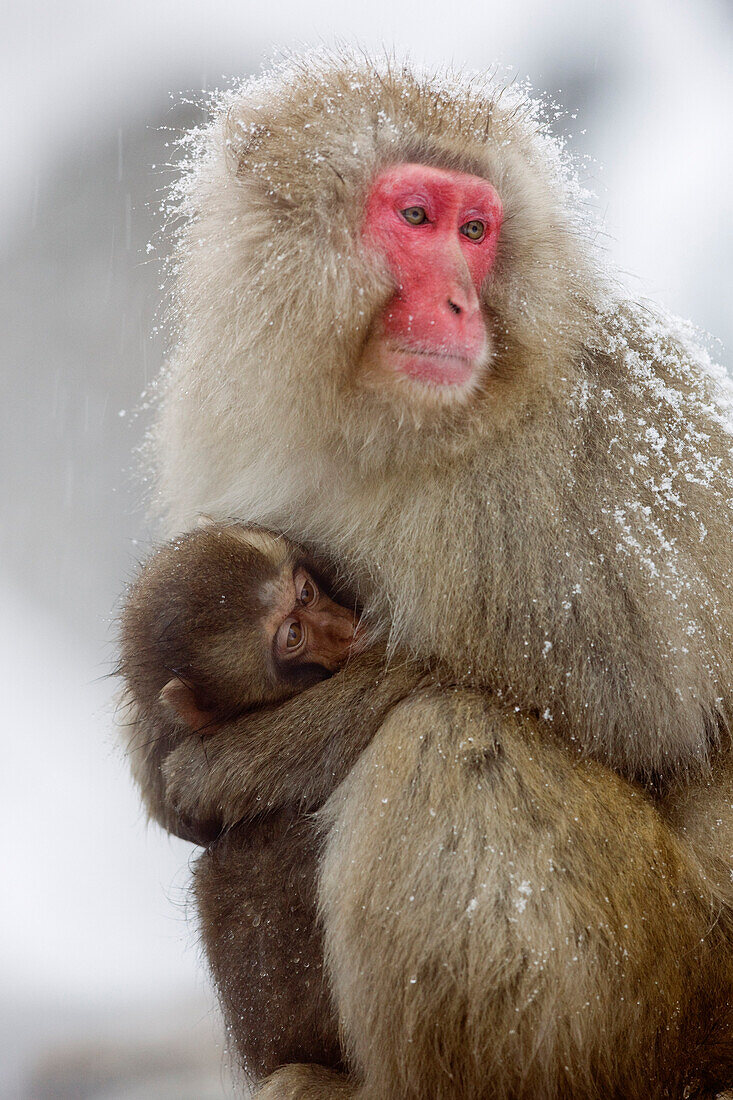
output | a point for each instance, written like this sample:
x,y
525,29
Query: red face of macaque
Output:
x,y
438,231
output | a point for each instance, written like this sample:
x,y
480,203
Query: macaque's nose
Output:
x,y
337,623
332,627
462,299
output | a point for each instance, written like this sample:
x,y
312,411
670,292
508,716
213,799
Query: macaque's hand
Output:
x,y
187,785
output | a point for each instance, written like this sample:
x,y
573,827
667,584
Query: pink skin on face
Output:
x,y
432,328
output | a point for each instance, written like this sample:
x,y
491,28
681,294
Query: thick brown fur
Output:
x,y
195,613
247,791
560,542
255,891
256,885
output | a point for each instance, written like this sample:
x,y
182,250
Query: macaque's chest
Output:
x,y
506,590
440,572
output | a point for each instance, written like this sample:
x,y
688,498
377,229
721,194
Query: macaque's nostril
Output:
x,y
453,307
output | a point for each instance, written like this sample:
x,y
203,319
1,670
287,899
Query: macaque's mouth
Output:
x,y
433,366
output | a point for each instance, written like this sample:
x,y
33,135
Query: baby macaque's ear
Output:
x,y
180,700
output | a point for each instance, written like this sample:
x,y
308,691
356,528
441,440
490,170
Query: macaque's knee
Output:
x,y
491,909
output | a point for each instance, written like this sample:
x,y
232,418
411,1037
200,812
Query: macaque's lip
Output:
x,y
432,366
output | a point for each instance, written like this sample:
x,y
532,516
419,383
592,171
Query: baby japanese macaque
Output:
x,y
221,628
226,619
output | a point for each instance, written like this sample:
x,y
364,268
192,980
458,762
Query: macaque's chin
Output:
x,y
438,373
432,368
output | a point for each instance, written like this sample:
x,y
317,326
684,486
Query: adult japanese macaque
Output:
x,y
397,343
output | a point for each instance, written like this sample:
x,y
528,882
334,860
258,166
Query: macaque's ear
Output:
x,y
180,700
204,520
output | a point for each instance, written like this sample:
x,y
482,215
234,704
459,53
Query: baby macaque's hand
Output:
x,y
187,781
211,777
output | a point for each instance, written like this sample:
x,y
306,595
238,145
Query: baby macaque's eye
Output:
x,y
290,638
308,591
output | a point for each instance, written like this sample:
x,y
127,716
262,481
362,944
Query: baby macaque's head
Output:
x,y
227,618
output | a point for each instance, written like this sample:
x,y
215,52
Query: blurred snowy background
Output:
x,y
103,992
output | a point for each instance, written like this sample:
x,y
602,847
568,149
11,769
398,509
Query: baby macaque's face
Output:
x,y
304,626
247,619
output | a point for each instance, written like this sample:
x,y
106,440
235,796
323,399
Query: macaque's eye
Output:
x,y
290,637
307,591
415,215
474,229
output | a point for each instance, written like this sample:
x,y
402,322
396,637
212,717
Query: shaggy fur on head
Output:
x,y
574,515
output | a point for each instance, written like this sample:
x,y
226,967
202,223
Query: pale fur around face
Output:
x,y
562,538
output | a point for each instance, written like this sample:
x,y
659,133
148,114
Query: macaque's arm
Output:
x,y
293,754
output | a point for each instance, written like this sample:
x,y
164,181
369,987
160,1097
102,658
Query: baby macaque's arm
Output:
x,y
295,753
